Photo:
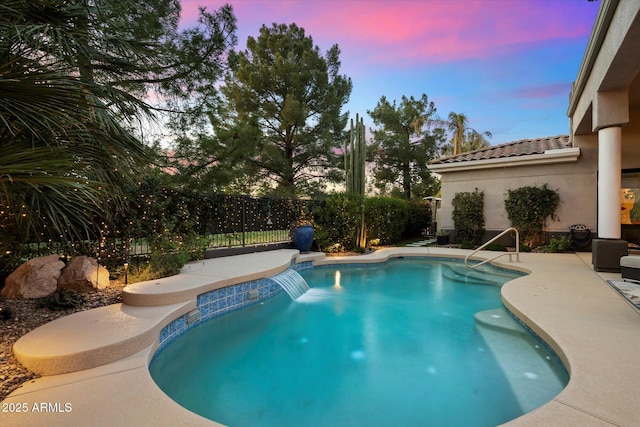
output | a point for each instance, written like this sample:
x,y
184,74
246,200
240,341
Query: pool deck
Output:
x,y
96,362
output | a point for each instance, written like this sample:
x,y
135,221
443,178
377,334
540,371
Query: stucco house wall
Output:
x,y
573,181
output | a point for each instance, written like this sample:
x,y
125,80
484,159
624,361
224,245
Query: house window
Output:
x,y
630,198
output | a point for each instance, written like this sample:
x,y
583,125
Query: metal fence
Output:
x,y
224,221
244,220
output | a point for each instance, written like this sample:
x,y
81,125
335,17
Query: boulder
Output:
x,y
36,278
83,274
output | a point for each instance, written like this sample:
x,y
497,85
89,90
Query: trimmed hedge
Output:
x,y
528,208
419,220
468,217
337,220
388,220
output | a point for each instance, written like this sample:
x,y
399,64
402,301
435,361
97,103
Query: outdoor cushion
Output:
x,y
630,261
630,267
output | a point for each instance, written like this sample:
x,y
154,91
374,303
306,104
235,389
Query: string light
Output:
x,y
185,220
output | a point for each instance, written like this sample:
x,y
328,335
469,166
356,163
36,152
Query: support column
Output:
x,y
607,249
609,182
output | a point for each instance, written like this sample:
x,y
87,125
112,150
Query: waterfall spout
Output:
x,y
292,282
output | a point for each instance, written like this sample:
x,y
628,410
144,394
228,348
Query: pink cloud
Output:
x,y
417,31
540,92
439,31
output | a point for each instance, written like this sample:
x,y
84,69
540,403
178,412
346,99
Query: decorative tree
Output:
x,y
463,138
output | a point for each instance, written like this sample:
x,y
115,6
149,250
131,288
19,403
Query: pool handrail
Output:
x,y
510,254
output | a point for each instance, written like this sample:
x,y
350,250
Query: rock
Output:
x,y
5,314
83,274
36,278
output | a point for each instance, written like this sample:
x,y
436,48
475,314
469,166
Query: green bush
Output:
x,y
386,218
158,265
528,208
557,245
496,246
62,299
419,219
468,217
337,221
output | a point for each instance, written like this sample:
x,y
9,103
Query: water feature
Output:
x,y
292,282
382,345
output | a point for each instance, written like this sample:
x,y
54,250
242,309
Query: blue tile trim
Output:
x,y
218,302
306,265
539,339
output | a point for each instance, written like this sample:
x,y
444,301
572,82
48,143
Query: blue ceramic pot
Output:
x,y
303,238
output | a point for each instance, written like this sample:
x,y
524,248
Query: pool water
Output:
x,y
394,344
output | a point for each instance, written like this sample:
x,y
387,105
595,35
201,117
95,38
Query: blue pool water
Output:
x,y
396,344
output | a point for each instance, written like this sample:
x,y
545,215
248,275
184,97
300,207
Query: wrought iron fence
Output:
x,y
221,221
245,220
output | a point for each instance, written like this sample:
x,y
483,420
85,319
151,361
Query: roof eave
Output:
x,y
562,155
598,33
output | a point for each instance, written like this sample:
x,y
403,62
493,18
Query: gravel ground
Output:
x,y
28,316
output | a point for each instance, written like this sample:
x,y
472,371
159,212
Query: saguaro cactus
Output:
x,y
354,157
354,165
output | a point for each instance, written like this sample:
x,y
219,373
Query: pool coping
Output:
x,y
594,331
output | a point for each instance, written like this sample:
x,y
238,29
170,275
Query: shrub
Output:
x,y
496,246
386,218
62,299
468,217
337,221
557,245
419,219
528,208
158,265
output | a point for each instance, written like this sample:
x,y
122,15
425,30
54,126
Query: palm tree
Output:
x,y
65,149
463,137
476,141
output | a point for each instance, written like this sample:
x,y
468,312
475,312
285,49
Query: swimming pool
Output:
x,y
408,342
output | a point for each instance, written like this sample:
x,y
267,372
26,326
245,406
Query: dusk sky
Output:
x,y
507,64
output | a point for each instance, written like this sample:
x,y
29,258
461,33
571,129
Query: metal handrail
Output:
x,y
517,253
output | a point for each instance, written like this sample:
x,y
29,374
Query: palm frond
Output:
x,y
44,193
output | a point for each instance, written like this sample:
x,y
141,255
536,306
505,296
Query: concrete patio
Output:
x,y
96,362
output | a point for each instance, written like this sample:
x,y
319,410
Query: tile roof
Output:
x,y
523,147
